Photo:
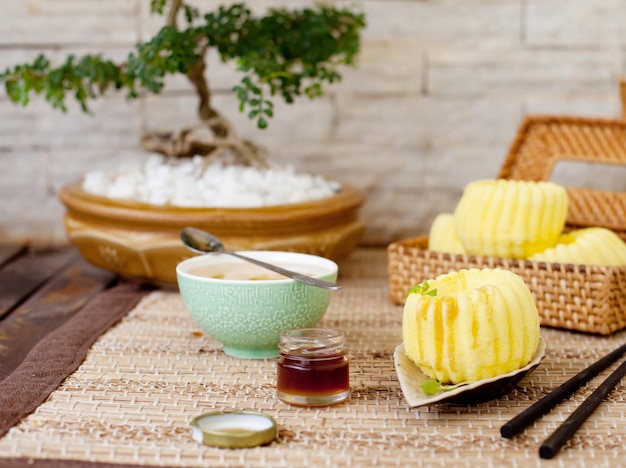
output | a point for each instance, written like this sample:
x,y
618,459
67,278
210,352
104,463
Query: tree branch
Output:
x,y
173,13
195,74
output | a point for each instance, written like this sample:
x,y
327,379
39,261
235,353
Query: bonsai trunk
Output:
x,y
193,141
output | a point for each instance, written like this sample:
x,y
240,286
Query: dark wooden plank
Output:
x,y
47,309
61,352
9,252
23,276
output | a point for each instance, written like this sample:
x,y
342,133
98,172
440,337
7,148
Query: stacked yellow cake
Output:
x,y
589,246
510,218
442,236
524,220
470,325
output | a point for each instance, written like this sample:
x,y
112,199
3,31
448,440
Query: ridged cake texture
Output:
x,y
510,218
470,325
442,237
588,246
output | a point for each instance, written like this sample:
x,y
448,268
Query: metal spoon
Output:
x,y
202,242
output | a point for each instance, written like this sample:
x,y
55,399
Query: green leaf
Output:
x,y
157,6
432,386
313,91
422,289
13,90
241,93
191,13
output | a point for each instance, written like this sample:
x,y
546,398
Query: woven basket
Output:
x,y
574,297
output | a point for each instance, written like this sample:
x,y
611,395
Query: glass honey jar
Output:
x,y
313,369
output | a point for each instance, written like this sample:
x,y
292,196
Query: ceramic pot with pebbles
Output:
x,y
130,223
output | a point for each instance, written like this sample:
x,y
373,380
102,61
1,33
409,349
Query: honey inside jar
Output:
x,y
312,369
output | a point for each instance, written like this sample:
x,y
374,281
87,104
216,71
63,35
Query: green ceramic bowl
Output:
x,y
238,304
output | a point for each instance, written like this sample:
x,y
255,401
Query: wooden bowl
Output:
x,y
141,242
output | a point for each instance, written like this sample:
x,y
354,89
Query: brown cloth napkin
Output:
x,y
60,353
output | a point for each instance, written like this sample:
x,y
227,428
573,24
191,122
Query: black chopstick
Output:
x,y
552,444
541,407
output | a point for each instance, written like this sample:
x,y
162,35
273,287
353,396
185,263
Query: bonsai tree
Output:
x,y
286,53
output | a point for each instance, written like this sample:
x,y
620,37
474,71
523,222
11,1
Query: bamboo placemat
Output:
x,y
132,399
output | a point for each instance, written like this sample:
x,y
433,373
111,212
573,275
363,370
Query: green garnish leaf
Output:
x,y
432,387
422,289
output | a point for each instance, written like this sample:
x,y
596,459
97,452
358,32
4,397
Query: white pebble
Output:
x,y
182,183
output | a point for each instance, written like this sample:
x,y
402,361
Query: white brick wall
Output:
x,y
441,88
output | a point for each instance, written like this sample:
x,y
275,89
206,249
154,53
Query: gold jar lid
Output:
x,y
234,429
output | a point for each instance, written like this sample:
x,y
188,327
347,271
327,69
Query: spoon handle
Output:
x,y
291,274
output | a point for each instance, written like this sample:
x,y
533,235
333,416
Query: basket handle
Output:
x,y
543,140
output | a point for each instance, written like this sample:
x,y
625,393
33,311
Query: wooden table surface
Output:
x,y
39,291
